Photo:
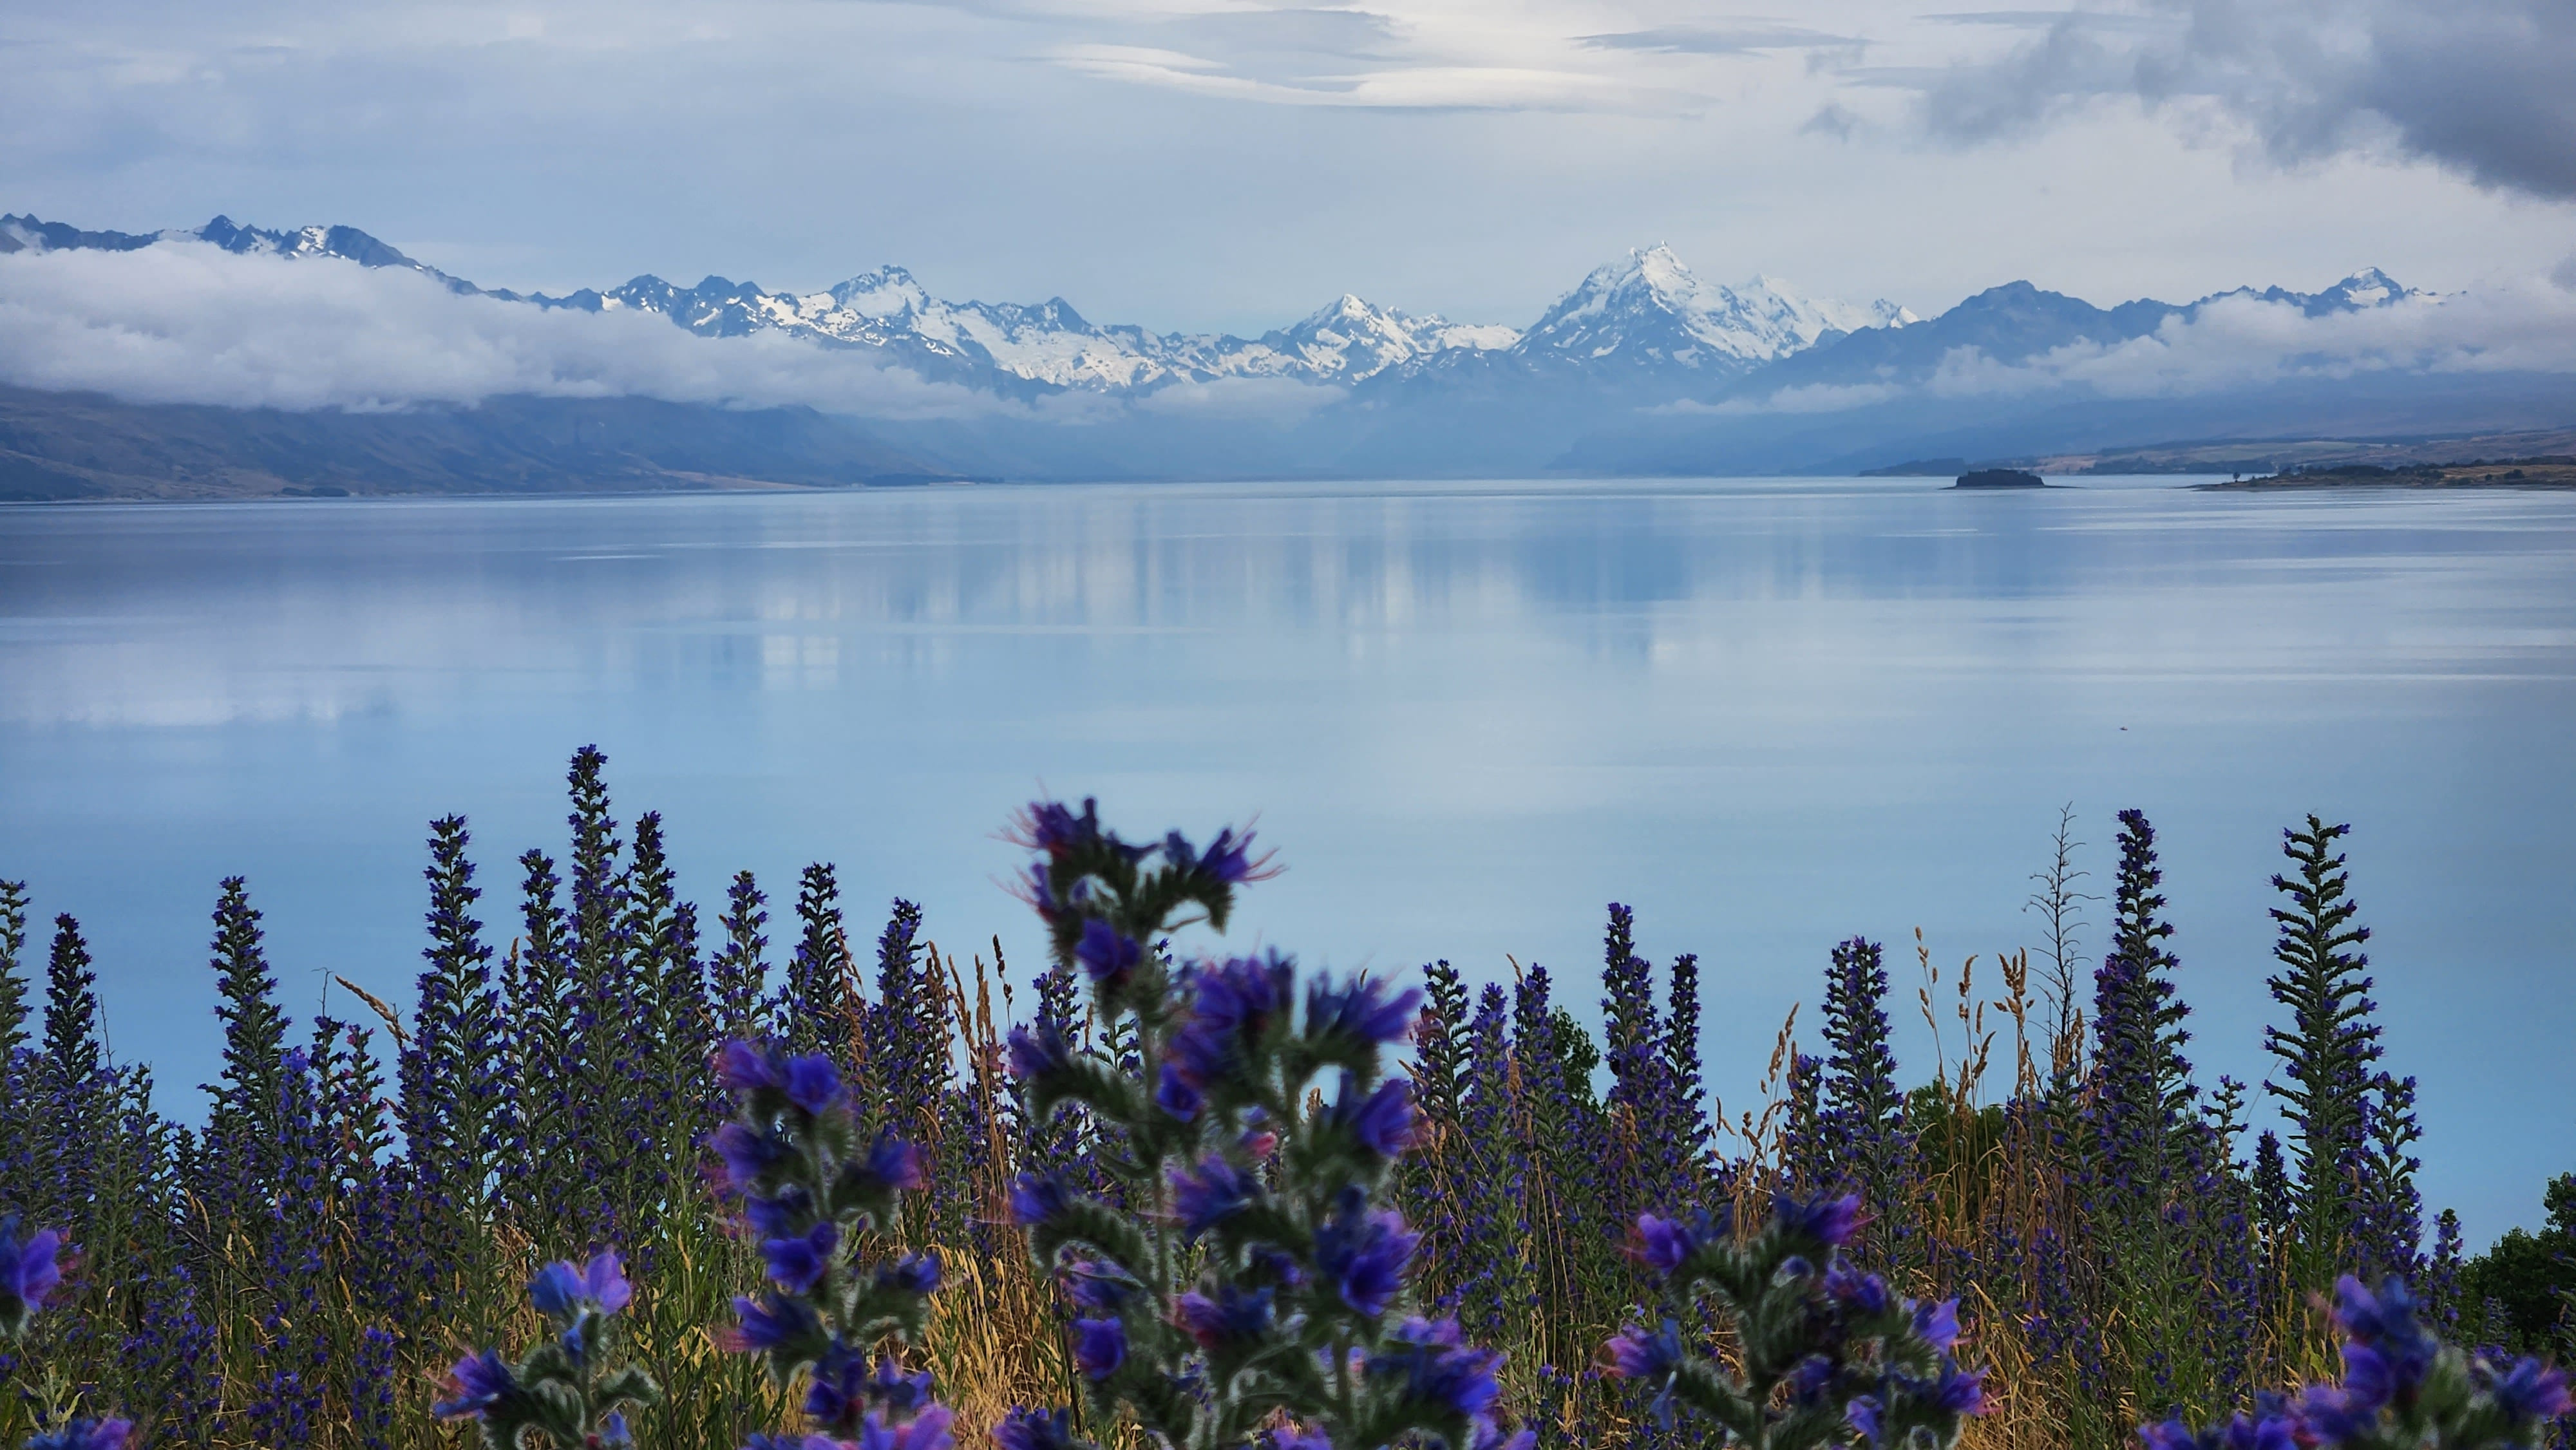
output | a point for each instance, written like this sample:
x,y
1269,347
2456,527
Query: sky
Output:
x,y
1232,165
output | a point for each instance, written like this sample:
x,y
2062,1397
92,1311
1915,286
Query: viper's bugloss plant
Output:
x,y
1256,1287
563,1391
812,1193
2402,1389
29,1271
1822,1352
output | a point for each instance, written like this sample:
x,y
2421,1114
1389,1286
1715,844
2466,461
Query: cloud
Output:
x,y
1247,400
1748,38
190,323
2234,344
2480,87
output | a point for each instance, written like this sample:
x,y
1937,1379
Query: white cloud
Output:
x,y
190,323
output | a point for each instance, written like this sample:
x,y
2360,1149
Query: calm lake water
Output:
x,y
1768,714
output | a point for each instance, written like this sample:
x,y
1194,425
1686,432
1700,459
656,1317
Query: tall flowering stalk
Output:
x,y
813,1194
1257,1288
563,1393
1823,1352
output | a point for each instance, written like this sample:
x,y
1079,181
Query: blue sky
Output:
x,y
1233,164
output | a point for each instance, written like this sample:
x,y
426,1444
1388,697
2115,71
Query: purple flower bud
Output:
x,y
1216,1191
2270,1432
1637,1355
29,1271
747,1067
912,1274
1233,1317
772,1322
1484,1434
1959,1391
1362,1008
1661,1244
1863,1413
928,1430
813,1083
84,1434
780,1217
1831,1221
1037,1054
2531,1391
749,1156
1036,1199
1099,1346
1094,1285
1027,1429
896,1390
798,1263
1382,1121
1366,1253
1861,1293
1175,1095
1298,1437
1106,955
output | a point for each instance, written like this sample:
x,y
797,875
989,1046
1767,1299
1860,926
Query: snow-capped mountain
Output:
x,y
1651,311
1049,342
1648,313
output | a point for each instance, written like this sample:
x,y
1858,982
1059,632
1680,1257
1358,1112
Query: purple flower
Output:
x,y
797,1263
772,1322
1662,1244
1207,1197
29,1271
793,1442
2368,1381
837,1385
1382,1121
891,1164
2531,1391
912,1273
2271,1432
1831,1221
1175,1095
1417,1330
1027,1429
1937,1323
925,1431
1228,859
1484,1434
2386,1324
479,1381
1050,827
2334,1415
2173,1434
1107,955
776,1218
84,1434
1866,1293
1037,1054
1959,1391
1036,1199
1094,1285
1298,1437
1863,1413
1099,1346
1366,1253
891,1387
1459,1380
749,1155
1637,1355
561,1291
1362,1008
812,1082
1232,1317
747,1067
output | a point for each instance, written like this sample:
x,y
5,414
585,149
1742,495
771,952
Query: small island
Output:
x,y
1999,478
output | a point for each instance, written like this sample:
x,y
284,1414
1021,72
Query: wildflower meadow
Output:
x,y
620,1174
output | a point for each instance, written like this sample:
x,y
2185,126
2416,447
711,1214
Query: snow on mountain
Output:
x,y
2367,288
1651,310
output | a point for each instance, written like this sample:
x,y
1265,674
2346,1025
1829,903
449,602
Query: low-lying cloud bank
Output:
x,y
2240,343
190,323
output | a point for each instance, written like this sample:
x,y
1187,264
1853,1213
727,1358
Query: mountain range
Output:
x,y
1642,367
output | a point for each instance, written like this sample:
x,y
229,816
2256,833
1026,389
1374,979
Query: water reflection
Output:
x,y
1767,714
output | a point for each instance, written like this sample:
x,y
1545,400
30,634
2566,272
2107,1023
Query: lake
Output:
x,y
1769,714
